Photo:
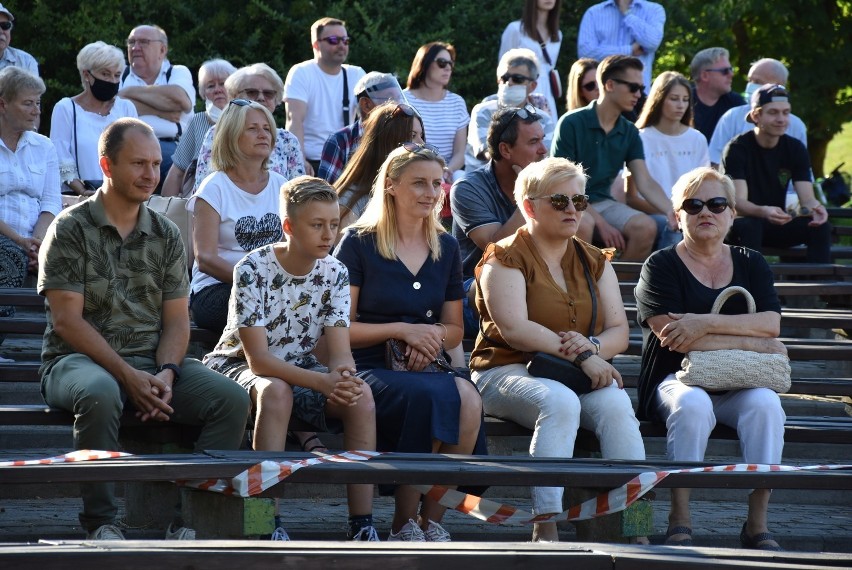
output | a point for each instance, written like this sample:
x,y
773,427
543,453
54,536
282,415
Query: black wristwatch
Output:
x,y
583,356
170,366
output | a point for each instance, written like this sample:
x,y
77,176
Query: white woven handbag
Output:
x,y
734,369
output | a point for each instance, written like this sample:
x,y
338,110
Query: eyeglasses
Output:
x,y
561,201
240,102
590,86
723,70
693,206
403,109
6,26
141,42
418,148
524,113
443,63
254,94
633,87
516,78
335,40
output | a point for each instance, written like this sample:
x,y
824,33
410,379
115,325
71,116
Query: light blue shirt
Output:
x,y
734,123
605,31
12,57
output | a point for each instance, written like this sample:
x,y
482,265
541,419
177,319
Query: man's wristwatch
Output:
x,y
583,356
170,366
597,342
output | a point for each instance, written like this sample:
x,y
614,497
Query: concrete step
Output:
x,y
804,527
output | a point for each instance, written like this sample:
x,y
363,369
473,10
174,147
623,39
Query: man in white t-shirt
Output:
x,y
320,99
163,93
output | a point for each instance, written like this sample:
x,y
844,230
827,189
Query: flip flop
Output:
x,y
754,542
678,530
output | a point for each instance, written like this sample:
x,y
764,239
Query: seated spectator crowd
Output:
x,y
342,299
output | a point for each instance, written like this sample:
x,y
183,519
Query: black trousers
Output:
x,y
754,233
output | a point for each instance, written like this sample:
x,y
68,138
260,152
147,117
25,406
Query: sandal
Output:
x,y
678,530
758,541
306,445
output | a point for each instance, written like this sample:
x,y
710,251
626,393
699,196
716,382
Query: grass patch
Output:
x,y
840,150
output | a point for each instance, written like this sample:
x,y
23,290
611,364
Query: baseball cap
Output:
x,y
769,93
3,10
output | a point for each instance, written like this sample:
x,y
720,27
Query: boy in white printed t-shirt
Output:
x,y
285,296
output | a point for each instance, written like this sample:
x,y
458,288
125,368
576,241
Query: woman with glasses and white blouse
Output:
x,y
260,83
543,290
444,113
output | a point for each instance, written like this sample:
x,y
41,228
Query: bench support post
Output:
x,y
622,527
216,516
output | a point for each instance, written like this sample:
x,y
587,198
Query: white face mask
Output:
x,y
751,88
213,111
511,95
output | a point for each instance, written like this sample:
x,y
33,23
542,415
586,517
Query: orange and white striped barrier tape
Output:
x,y
267,474
73,457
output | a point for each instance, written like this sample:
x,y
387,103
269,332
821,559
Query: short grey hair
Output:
x,y
99,55
518,56
234,83
213,68
705,58
778,71
14,81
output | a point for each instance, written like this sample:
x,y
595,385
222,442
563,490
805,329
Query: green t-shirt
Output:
x,y
123,282
580,138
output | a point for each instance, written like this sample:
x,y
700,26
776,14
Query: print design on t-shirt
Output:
x,y
252,233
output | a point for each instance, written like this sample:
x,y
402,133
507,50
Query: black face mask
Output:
x,y
103,90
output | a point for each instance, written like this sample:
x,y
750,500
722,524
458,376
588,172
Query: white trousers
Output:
x,y
691,414
554,413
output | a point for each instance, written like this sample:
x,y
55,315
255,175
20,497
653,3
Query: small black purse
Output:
x,y
546,365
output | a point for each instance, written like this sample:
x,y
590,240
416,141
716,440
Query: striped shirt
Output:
x,y
605,31
441,120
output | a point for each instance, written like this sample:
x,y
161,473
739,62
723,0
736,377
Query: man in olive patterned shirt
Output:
x,y
114,274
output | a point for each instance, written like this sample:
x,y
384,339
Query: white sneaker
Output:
x,y
436,533
366,534
106,532
280,534
179,533
409,532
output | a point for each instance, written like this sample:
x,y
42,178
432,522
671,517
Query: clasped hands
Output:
x,y
424,345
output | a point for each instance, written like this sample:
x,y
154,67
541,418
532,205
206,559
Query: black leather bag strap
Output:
x,y
345,97
589,281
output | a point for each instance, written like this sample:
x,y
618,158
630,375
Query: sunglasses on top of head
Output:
x,y
335,40
240,102
560,201
443,63
524,113
633,87
418,148
693,206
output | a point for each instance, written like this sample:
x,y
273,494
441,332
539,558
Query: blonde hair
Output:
x,y
226,153
380,216
302,190
688,185
538,178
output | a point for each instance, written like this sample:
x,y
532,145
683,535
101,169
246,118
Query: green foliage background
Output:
x,y
813,37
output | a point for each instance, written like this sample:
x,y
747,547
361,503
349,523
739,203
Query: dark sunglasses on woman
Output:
x,y
560,201
443,63
693,206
